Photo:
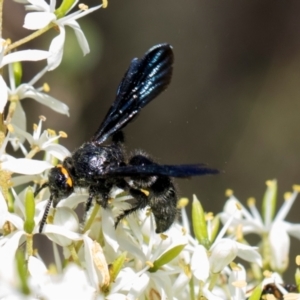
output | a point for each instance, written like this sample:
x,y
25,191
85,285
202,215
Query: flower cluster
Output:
x,y
93,259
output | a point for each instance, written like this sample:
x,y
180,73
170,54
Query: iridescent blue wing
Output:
x,y
144,80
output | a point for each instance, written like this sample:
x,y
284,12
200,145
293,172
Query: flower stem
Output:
x,y
213,281
29,37
91,218
1,14
192,289
89,223
74,255
29,245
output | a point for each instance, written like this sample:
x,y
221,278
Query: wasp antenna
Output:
x,y
45,215
41,188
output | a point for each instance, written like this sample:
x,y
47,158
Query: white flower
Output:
x,y
21,165
30,55
45,15
39,141
26,90
72,282
274,228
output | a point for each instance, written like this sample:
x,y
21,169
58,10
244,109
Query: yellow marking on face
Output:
x,y
66,174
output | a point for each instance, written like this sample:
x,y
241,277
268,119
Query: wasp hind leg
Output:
x,y
162,197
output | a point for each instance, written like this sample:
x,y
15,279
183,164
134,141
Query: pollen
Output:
x,y
46,87
209,216
63,134
182,202
239,283
35,127
163,236
267,273
270,183
287,195
238,206
10,128
51,132
150,264
298,260
83,6
235,267
296,187
228,193
104,3
251,201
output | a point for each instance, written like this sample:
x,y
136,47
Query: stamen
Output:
x,y
10,128
163,236
298,260
296,188
228,193
182,202
287,195
83,6
51,132
43,118
150,264
209,216
104,3
251,201
62,134
46,87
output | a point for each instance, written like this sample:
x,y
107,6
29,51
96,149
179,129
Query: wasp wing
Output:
x,y
180,171
144,80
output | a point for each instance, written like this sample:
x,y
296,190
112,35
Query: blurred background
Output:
x,y
233,102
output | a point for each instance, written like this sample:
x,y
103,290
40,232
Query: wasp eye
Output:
x,y
60,182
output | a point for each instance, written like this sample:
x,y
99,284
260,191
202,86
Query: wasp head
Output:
x,y
60,183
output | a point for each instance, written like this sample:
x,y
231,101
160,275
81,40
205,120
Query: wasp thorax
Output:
x,y
60,183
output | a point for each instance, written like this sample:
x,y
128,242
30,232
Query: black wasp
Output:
x,y
99,167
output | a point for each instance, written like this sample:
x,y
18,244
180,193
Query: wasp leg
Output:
x,y
162,197
142,202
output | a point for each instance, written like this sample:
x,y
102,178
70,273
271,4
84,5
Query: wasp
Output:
x,y
99,167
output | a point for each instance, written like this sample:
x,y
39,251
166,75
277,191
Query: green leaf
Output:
x,y
29,211
18,72
22,272
116,266
215,227
297,278
166,257
256,294
199,223
269,202
64,8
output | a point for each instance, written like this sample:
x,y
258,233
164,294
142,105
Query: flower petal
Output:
x,y
26,166
222,253
47,100
39,5
82,41
24,55
280,247
248,253
56,49
38,20
200,263
3,94
7,256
